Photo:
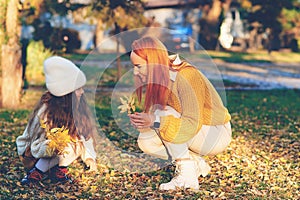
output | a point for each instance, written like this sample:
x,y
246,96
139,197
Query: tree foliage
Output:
x,y
267,12
123,14
36,54
3,5
278,18
290,20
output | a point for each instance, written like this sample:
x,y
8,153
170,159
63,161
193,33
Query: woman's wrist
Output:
x,y
156,122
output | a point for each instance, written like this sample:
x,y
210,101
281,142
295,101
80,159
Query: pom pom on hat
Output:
x,y
62,76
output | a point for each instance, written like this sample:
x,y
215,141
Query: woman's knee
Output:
x,y
221,144
212,140
146,146
153,148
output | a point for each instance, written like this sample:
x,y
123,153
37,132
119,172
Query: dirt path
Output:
x,y
264,75
248,75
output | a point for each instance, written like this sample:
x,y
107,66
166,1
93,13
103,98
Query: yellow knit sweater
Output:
x,y
199,104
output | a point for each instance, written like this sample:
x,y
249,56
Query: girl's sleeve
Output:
x,y
22,142
89,151
191,94
39,147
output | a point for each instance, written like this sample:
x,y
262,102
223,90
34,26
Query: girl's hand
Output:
x,y
91,165
142,120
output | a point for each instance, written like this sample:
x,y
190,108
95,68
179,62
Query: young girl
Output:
x,y
184,117
62,106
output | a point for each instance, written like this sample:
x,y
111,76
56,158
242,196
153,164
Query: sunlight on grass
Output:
x,y
258,56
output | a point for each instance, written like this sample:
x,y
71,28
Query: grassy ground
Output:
x,y
262,162
257,56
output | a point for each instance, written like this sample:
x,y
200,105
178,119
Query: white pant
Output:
x,y
72,153
210,140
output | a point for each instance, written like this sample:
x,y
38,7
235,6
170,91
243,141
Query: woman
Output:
x,y
63,105
184,117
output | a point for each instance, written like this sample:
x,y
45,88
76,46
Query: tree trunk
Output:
x,y
11,59
215,11
210,24
3,8
99,35
11,75
119,67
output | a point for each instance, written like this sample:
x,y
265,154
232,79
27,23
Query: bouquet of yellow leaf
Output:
x,y
127,105
59,139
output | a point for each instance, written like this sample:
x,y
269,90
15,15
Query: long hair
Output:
x,y
66,112
155,54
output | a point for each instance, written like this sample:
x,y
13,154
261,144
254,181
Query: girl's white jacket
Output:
x,y
39,144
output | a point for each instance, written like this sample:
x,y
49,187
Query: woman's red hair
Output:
x,y
156,55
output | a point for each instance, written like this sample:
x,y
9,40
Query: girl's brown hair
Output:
x,y
66,111
156,55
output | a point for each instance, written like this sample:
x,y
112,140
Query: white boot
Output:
x,y
186,176
202,168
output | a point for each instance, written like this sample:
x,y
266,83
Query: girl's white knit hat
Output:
x,y
62,76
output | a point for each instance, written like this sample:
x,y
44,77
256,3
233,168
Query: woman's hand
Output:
x,y
142,120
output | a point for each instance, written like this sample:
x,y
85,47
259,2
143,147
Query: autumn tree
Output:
x,y
290,20
122,15
267,14
12,12
117,15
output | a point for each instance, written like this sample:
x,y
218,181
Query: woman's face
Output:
x,y
140,66
79,92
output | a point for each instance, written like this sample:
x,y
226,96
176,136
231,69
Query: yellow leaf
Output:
x,y
42,123
59,139
54,130
123,101
49,151
133,108
131,100
123,108
112,173
127,104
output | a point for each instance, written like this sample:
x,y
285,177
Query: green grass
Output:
x,y
242,57
96,56
262,161
239,57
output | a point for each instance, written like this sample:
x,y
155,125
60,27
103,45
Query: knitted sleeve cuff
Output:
x,y
169,127
39,148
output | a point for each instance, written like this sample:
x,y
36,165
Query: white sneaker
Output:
x,y
202,167
186,176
